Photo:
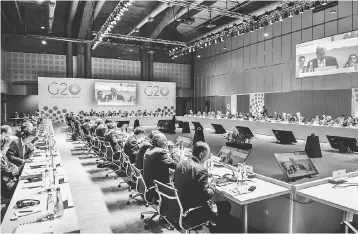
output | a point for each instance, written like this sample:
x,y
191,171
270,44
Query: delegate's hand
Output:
x,y
29,160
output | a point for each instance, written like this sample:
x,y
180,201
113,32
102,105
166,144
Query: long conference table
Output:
x,y
16,221
300,131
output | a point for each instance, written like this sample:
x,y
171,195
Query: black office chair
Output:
x,y
136,124
186,127
170,208
198,135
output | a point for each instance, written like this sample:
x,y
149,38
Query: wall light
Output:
x,y
43,42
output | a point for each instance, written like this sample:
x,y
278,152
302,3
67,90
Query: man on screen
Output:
x,y
301,68
114,95
322,60
100,96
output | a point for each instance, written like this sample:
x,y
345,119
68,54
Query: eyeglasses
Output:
x,y
26,203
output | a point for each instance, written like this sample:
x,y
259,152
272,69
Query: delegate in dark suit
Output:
x,y
110,97
156,166
140,156
16,154
330,61
131,148
9,174
194,190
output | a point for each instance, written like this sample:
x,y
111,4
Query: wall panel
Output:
x,y
253,56
297,23
277,29
344,101
307,35
260,54
318,32
330,28
296,102
260,79
286,77
307,19
330,102
253,81
277,50
286,48
287,26
268,52
345,8
318,18
306,103
268,79
247,57
345,25
276,79
318,103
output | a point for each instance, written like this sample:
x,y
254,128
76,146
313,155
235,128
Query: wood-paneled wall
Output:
x,y
254,63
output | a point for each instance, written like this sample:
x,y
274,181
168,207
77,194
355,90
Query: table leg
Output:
x,y
290,218
244,219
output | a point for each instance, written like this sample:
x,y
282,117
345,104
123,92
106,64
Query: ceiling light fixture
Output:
x,y
333,11
266,34
42,27
43,42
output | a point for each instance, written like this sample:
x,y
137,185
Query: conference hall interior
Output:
x,y
175,116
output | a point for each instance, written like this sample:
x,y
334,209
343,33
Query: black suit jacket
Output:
x,y
15,153
330,61
156,165
191,181
131,148
109,97
140,156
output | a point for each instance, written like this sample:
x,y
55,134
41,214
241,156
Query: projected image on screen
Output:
x,y
115,93
330,55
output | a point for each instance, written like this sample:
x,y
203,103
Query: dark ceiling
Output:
x,y
35,13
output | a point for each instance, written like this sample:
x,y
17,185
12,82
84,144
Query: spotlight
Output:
x,y
194,49
215,41
281,18
290,15
221,39
333,11
271,21
198,56
206,44
251,29
43,42
130,50
42,27
276,19
224,48
261,25
266,34
324,2
301,10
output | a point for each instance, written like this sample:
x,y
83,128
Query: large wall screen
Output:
x,y
330,55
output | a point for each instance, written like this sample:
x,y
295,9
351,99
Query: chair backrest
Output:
x,y
109,152
169,203
140,184
128,165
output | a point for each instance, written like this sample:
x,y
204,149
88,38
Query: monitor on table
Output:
x,y
295,165
183,141
233,156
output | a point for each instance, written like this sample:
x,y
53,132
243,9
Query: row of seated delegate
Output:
x,y
324,120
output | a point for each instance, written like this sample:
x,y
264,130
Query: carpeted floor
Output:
x,y
101,205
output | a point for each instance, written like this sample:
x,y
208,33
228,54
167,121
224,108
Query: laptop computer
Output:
x,y
233,156
295,165
183,141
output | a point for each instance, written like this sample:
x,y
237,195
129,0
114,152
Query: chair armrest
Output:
x,y
190,210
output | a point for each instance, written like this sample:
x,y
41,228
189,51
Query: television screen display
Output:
x,y
330,55
115,93
233,156
295,164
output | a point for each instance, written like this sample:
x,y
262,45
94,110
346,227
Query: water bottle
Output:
x,y
59,209
46,179
49,205
54,177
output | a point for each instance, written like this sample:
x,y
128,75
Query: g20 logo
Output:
x,y
62,88
156,91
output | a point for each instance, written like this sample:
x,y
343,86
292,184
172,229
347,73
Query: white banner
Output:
x,y
354,110
58,96
257,102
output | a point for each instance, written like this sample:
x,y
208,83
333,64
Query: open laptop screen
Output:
x,y
183,141
233,156
296,164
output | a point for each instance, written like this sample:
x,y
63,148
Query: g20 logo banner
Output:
x,y
63,89
156,91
